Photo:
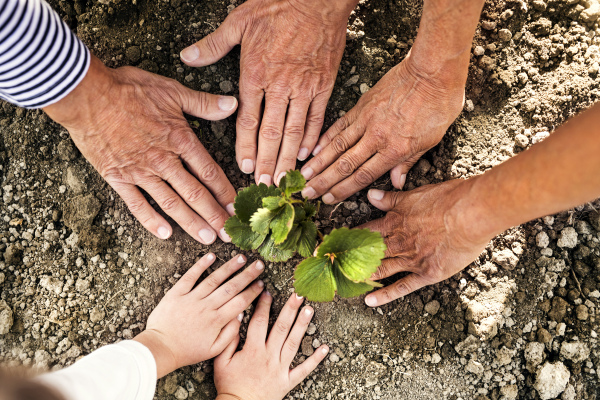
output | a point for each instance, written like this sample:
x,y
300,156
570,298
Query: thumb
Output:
x,y
385,201
205,105
214,46
398,173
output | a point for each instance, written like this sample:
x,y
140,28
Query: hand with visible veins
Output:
x,y
129,125
261,370
405,114
290,54
193,323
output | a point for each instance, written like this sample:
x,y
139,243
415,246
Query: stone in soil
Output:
x,y
6,317
551,380
80,211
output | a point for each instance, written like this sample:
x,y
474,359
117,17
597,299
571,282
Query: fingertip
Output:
x,y
227,103
324,350
247,166
317,150
164,232
230,209
189,54
375,194
308,311
303,154
240,316
307,172
371,300
224,236
210,257
241,259
328,198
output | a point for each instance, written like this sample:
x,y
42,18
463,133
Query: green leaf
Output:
x,y
310,210
299,213
314,279
345,287
273,202
261,220
281,224
272,252
308,239
291,243
242,234
249,200
292,182
358,251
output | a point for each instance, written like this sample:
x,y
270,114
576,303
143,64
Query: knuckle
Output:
x,y
247,122
293,345
282,327
212,282
210,172
294,132
344,167
231,289
270,133
339,144
170,203
214,219
196,194
315,120
363,177
137,206
260,319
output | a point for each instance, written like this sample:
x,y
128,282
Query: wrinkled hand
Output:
x,y
392,125
261,370
129,125
425,235
290,54
192,324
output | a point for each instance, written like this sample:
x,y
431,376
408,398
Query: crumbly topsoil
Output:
x,y
79,272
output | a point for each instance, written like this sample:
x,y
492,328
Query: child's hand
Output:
x,y
261,371
192,324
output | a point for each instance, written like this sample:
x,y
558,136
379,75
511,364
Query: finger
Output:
x,y
331,153
364,175
292,137
176,208
398,289
204,105
204,168
259,324
214,280
391,266
399,172
234,286
214,46
142,210
300,373
228,334
189,279
385,201
293,341
345,169
269,137
284,322
200,199
247,124
225,357
314,124
240,302
343,123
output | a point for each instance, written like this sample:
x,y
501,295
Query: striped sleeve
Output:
x,y
41,60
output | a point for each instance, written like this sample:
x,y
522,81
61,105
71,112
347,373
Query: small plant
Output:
x,y
272,220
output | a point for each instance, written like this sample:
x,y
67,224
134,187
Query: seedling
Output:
x,y
279,224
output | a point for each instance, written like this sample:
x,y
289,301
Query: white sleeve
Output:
x,y
122,371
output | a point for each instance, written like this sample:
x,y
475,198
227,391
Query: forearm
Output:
x,y
554,175
443,45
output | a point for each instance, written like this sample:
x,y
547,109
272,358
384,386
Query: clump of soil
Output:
x,y
77,271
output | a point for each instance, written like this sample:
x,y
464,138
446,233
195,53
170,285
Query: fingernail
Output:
x,y
267,293
325,350
230,209
309,192
227,103
402,180
241,260
328,198
210,257
299,297
303,154
308,311
261,284
266,179
317,150
207,236
371,301
163,232
281,175
247,166
189,54
307,172
376,194
259,265
224,236
240,316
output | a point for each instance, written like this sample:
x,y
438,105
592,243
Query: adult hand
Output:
x,y
195,323
405,114
291,50
129,124
261,370
425,234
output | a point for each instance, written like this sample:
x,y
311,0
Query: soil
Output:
x,y
79,272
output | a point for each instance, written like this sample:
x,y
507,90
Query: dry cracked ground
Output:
x,y
77,271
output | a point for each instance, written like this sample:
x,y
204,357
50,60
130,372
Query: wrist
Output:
x,y
163,356
326,11
227,396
